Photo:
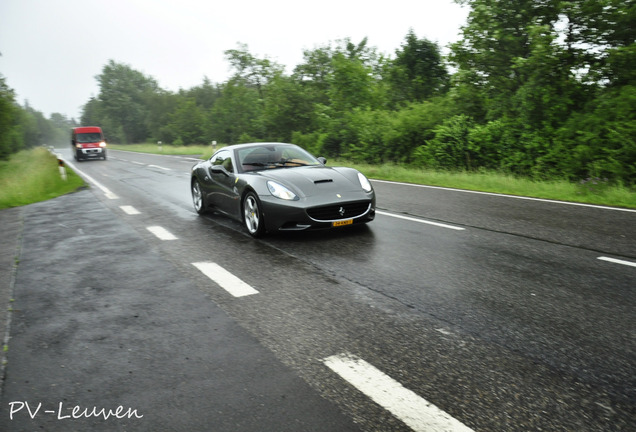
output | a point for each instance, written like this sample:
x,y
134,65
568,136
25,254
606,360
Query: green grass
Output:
x,y
560,190
31,176
194,150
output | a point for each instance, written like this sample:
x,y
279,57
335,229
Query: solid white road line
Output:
x,y
225,279
129,210
420,220
161,233
419,414
103,188
617,261
508,196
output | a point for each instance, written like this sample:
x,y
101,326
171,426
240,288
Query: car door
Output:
x,y
223,194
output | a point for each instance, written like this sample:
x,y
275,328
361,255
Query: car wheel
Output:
x,y
253,215
197,197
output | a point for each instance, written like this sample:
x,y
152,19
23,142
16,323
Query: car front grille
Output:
x,y
339,211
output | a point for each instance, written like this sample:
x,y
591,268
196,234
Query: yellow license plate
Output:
x,y
342,223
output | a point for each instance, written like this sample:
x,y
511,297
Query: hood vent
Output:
x,y
323,181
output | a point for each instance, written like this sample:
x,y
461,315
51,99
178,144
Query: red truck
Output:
x,y
88,143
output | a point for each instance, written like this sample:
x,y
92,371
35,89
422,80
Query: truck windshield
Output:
x,y
89,137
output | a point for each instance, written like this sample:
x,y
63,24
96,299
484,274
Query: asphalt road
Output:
x,y
504,313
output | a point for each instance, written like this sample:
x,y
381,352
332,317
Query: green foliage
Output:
x,y
23,127
124,95
31,176
313,142
417,73
601,142
539,88
10,139
187,123
451,147
236,112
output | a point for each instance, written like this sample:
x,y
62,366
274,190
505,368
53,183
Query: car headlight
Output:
x,y
364,182
280,191
102,144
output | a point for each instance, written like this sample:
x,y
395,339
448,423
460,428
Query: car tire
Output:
x,y
198,199
253,215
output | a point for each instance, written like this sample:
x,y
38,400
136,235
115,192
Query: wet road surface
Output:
x,y
497,310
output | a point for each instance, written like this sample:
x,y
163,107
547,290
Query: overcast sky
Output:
x,y
53,49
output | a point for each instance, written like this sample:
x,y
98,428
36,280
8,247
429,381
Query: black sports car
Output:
x,y
273,187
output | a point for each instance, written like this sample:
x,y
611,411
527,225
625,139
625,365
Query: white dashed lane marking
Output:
x,y
416,412
161,233
225,279
129,210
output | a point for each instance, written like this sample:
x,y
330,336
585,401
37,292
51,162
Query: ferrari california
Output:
x,y
274,187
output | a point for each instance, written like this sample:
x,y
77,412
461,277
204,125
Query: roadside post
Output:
x,y
61,166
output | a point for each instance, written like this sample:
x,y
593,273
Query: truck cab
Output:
x,y
88,143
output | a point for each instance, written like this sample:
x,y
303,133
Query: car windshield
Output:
x,y
271,156
89,137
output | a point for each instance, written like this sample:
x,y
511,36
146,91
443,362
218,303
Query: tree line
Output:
x,y
539,88
23,127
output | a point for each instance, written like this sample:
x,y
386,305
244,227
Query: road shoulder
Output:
x,y
103,321
11,222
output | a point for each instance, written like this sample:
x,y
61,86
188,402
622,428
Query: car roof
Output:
x,y
259,144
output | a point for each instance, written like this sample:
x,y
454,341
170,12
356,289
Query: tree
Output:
x,y
123,97
10,139
205,95
417,72
236,114
287,108
187,123
495,37
250,70
600,36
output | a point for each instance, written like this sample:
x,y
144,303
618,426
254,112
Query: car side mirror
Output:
x,y
322,160
218,169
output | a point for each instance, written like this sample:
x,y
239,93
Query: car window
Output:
x,y
274,156
223,158
88,137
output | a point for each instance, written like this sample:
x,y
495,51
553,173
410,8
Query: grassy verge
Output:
x,y
195,150
31,176
588,193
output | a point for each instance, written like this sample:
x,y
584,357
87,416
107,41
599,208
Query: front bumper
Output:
x,y
98,151
282,215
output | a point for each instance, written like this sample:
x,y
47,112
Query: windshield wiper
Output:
x,y
280,163
285,161
260,164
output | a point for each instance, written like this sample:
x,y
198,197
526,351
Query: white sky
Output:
x,y
53,49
